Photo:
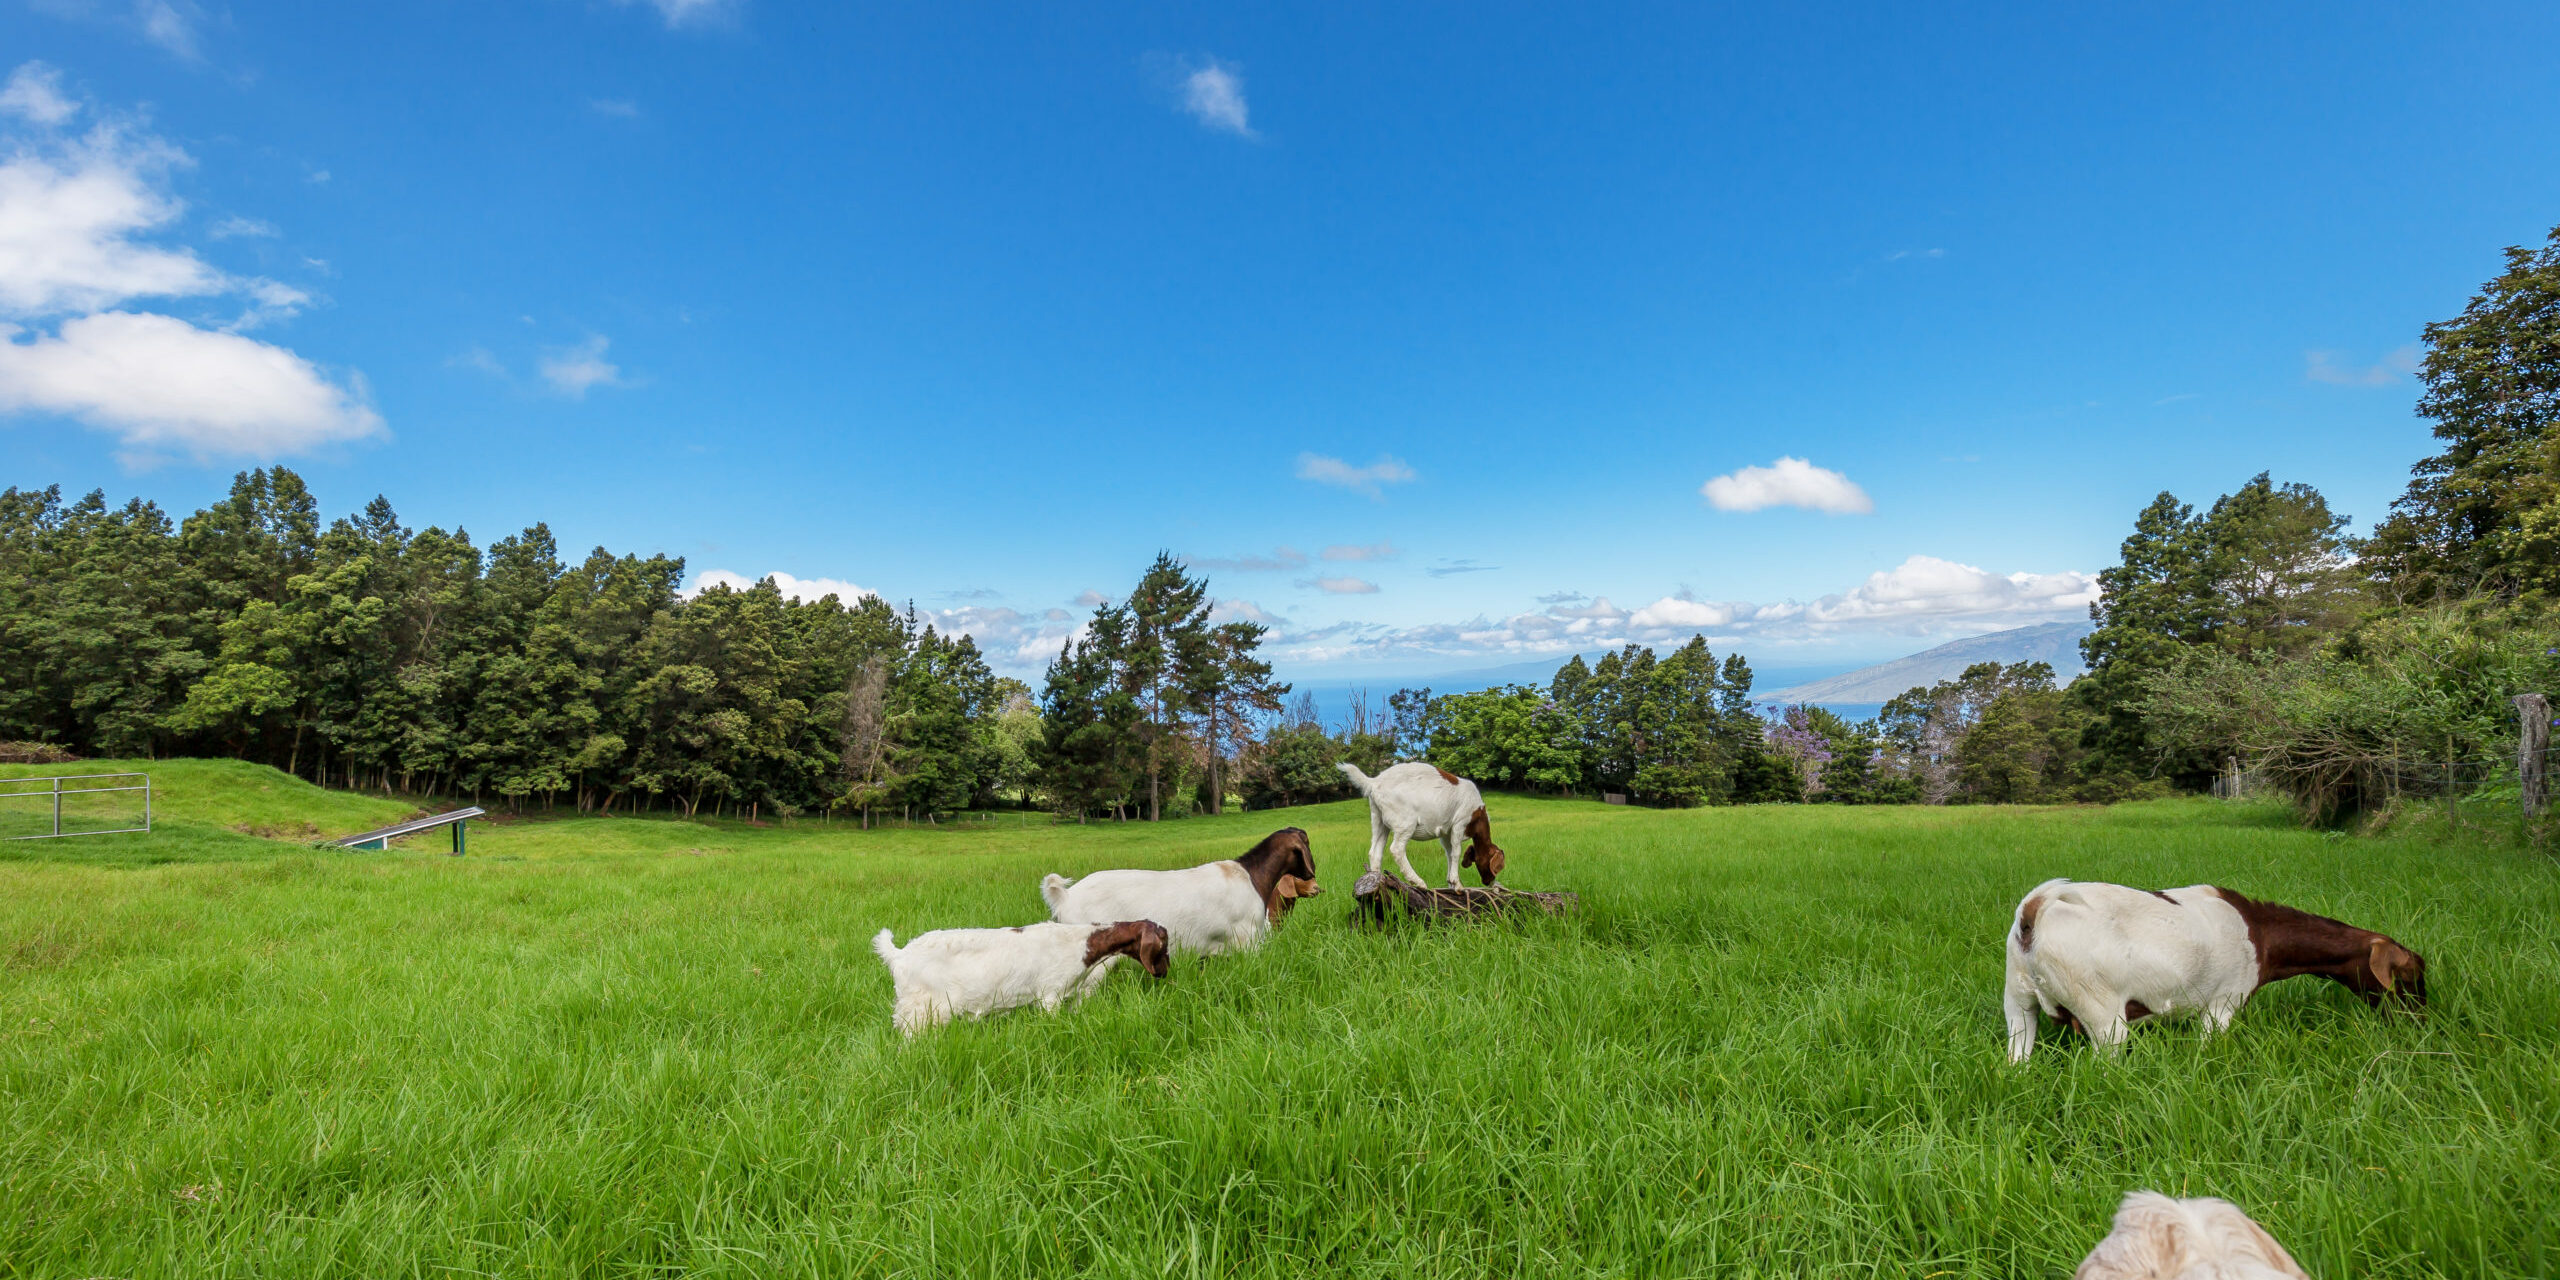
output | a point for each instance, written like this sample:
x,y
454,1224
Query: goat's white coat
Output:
x,y
2157,1238
1412,801
975,972
2096,946
1205,909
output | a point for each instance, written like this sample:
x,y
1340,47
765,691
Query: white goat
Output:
x,y
2098,957
2157,1238
951,972
1419,801
1210,908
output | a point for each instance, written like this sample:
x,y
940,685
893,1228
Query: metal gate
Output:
x,y
47,795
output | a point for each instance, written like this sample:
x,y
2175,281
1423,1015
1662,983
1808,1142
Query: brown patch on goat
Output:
x,y
2162,896
1291,889
2293,943
1285,852
1144,941
2135,1010
1446,776
2027,913
1482,853
2063,1015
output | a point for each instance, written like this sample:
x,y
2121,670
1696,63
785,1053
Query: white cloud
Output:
x,y
1342,475
34,92
170,24
165,386
793,588
1091,600
1242,611
235,227
1789,482
1214,95
478,357
572,370
68,218
2324,366
73,214
1922,598
619,108
1342,552
1280,559
680,13
1342,586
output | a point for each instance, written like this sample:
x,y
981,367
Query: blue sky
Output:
x,y
1427,331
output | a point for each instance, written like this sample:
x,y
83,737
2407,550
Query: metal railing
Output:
x,y
52,791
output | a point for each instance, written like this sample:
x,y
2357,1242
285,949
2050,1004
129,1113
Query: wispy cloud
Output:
x,y
34,92
1563,597
2326,366
618,108
1342,586
1447,568
236,227
1922,597
1214,95
686,13
1788,482
1900,254
573,370
1322,469
1281,559
1342,552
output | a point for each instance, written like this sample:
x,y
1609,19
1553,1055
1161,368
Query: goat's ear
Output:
x,y
2378,959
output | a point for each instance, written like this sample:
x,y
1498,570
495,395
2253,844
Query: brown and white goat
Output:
x,y
1286,897
1210,908
2099,957
1416,801
952,973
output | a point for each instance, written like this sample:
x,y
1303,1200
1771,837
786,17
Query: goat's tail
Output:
x,y
1053,890
885,943
2022,926
1359,781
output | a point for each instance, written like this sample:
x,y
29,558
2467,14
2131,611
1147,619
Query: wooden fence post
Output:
x,y
2533,747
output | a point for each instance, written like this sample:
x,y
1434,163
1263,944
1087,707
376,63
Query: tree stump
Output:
x,y
2533,751
1376,890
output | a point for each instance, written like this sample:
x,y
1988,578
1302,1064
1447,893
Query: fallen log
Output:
x,y
1377,890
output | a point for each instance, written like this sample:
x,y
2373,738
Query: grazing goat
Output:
x,y
2099,957
1214,907
2157,1238
1416,801
950,972
1291,889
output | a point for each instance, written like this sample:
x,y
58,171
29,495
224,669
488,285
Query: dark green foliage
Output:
x,y
368,655
2483,514
2264,571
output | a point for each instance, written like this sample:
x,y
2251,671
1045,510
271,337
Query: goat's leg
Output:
x,y
2021,1001
2218,1015
1377,842
2109,1030
1403,863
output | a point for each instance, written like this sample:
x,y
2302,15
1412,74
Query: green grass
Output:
x,y
202,810
1769,1044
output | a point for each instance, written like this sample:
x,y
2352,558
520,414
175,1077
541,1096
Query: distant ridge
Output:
x,y
2057,643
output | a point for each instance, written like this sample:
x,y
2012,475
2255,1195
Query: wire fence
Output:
x,y
2475,792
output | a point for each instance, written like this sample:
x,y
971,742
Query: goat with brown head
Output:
x,y
1144,941
1482,853
1291,889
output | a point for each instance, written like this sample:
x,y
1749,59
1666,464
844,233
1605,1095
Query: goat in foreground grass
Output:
x,y
2157,1238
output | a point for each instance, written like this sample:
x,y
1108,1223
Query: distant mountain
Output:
x,y
2057,643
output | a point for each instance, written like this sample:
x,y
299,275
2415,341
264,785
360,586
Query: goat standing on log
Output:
x,y
1213,907
1420,801
950,972
2099,957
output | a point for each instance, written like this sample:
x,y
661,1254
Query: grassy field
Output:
x,y
1769,1044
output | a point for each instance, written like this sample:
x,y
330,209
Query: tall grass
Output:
x,y
1770,1043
